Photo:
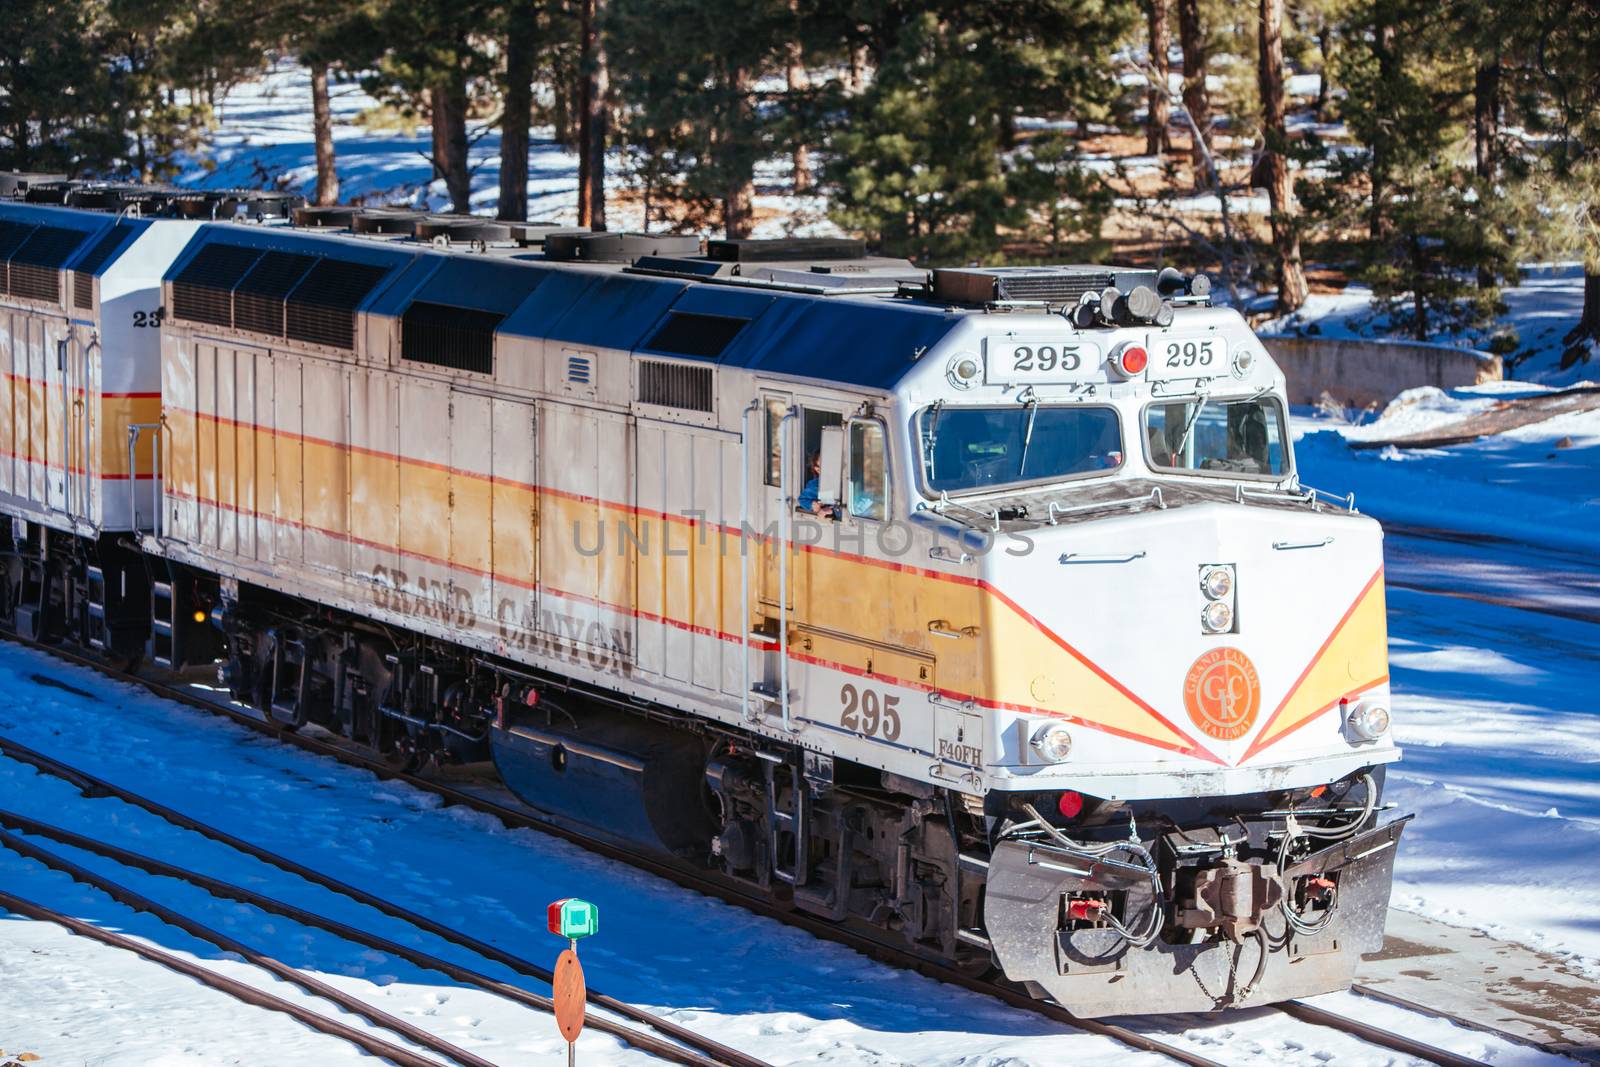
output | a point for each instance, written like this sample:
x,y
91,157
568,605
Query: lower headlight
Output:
x,y
1369,721
1217,618
1053,742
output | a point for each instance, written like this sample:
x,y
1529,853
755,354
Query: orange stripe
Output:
x,y
1261,741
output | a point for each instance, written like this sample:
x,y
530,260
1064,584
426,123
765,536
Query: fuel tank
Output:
x,y
628,780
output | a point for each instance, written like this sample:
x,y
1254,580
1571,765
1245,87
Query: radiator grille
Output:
x,y
12,234
35,282
36,262
687,333
258,298
203,290
1060,288
101,253
675,385
322,308
83,290
445,336
579,370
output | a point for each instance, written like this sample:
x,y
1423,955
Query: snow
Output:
x,y
1493,587
264,137
757,985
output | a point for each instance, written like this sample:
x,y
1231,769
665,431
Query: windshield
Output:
x,y
1219,436
987,447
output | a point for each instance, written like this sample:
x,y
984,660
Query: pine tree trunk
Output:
x,y
1585,337
1274,167
1325,74
1486,134
520,42
1157,139
592,118
796,80
1383,49
738,204
450,141
436,127
1196,100
1419,303
855,81
322,134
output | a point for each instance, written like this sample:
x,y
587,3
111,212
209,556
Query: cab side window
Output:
x,y
869,470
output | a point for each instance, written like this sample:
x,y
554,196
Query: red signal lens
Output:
x,y
1133,360
1070,804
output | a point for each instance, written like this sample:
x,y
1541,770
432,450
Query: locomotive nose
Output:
x,y
1229,630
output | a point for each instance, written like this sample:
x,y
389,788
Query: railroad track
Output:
x,y
513,814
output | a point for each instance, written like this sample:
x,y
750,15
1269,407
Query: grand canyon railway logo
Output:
x,y
1223,693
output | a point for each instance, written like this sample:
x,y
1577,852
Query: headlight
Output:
x,y
1243,361
1217,582
1217,618
1053,742
963,371
1369,721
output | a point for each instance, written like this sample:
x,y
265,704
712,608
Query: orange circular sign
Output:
x,y
570,996
1223,693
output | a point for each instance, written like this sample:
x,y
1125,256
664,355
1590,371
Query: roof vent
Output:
x,y
336,217
786,248
386,220
618,247
460,228
689,333
15,184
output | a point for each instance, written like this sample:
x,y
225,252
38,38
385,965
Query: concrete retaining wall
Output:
x,y
1358,372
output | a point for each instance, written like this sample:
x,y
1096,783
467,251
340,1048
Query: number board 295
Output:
x,y
1188,356
1021,360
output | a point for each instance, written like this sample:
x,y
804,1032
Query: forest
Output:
x,y
1425,149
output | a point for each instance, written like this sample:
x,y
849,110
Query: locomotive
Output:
x,y
983,607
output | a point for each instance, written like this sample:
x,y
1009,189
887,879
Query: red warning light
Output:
x,y
1070,805
1130,360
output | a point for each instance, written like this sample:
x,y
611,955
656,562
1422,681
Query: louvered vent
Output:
x,y
579,370
12,234
36,264
203,290
686,333
445,336
94,261
99,255
322,308
258,298
674,385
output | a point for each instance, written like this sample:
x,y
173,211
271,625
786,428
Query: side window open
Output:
x,y
776,408
869,470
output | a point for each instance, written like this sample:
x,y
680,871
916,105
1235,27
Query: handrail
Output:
x,y
1152,497
744,556
135,430
787,542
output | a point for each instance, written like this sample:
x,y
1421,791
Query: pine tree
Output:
x,y
926,161
687,71
1157,137
1273,165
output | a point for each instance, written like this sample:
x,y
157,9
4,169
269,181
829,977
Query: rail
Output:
x,y
216,887
740,896
94,786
